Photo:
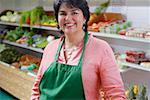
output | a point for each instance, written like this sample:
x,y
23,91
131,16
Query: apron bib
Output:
x,y
61,81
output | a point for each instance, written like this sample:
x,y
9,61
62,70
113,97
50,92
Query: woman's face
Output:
x,y
70,19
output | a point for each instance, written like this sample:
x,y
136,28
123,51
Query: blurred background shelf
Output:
x,y
23,46
116,36
34,26
136,66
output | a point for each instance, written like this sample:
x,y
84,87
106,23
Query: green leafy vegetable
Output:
x,y
102,7
9,55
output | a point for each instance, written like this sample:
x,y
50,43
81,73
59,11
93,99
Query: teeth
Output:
x,y
69,24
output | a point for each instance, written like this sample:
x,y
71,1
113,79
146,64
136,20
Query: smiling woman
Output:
x,y
77,65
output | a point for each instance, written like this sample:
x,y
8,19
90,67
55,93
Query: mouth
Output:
x,y
69,25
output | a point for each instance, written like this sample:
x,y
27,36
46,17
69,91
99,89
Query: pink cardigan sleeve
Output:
x,y
111,80
35,88
100,72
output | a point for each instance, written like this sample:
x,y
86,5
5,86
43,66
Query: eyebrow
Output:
x,y
76,9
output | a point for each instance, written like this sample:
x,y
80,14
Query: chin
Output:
x,y
70,31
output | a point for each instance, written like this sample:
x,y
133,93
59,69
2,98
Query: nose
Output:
x,y
68,17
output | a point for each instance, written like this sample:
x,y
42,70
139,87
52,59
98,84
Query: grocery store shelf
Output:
x,y
7,23
48,28
5,64
23,46
124,70
34,26
116,36
98,34
136,66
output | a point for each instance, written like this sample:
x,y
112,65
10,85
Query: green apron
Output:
x,y
61,81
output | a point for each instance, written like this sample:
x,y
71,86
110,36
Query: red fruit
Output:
x,y
122,32
28,21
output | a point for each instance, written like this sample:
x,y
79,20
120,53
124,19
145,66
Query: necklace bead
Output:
x,y
69,51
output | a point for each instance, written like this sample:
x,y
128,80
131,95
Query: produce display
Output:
x,y
136,92
10,16
13,35
9,55
136,57
39,41
35,16
100,21
18,60
48,21
108,22
32,17
136,32
28,37
26,63
132,92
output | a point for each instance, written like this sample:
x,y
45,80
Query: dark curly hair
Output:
x,y
81,4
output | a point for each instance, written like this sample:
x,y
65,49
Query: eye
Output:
x,y
75,13
62,14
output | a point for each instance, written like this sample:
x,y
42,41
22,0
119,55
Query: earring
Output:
x,y
59,29
84,26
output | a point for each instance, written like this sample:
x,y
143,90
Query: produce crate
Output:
x,y
111,17
16,82
105,17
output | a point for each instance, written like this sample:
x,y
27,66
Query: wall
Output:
x,y
18,4
139,12
4,4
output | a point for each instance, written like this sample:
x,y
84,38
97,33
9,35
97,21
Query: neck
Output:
x,y
72,40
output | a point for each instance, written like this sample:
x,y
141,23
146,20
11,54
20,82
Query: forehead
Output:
x,y
65,6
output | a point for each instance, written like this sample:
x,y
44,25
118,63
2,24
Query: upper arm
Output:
x,y
111,80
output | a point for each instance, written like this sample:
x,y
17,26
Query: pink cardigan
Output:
x,y
99,71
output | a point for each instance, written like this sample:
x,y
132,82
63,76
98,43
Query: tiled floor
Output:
x,y
6,96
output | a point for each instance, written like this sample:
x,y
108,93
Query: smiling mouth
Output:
x,y
69,25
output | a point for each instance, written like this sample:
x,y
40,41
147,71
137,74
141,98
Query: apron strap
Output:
x,y
58,50
82,55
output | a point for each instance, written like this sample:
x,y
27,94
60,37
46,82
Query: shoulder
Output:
x,y
53,43
52,46
98,43
98,48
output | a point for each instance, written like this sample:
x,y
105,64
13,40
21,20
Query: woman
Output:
x,y
77,66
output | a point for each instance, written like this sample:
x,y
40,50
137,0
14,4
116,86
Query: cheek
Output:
x,y
81,22
81,19
60,21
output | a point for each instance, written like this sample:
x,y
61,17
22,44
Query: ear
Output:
x,y
84,20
